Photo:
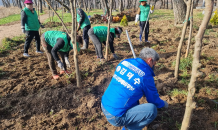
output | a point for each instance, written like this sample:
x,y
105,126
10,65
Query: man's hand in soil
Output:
x,y
23,30
67,62
115,56
166,104
60,65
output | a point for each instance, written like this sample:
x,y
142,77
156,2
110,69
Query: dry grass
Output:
x,y
5,12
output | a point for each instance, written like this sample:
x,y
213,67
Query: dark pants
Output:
x,y
96,42
142,25
85,35
51,61
29,37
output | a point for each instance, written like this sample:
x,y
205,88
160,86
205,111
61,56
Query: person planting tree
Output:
x,y
98,35
142,15
132,79
30,26
83,23
55,42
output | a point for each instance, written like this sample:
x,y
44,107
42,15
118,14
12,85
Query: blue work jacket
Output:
x,y
132,79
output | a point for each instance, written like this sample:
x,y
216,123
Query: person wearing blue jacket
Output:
x,y
132,79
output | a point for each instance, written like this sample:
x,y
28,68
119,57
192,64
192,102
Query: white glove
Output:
x,y
23,30
137,18
60,65
67,62
166,104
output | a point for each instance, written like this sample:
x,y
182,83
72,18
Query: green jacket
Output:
x,y
85,22
101,32
144,11
52,36
32,23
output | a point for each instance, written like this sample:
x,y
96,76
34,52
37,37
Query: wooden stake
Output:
x,y
191,104
176,73
108,30
39,19
73,37
190,31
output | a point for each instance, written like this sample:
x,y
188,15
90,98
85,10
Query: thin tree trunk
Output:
x,y
191,104
171,4
73,37
190,31
62,3
167,4
40,6
121,6
108,30
188,3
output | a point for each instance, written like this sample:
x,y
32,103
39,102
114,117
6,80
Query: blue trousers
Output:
x,y
136,118
142,25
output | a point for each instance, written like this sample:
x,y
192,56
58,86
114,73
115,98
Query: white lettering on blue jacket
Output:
x,y
132,79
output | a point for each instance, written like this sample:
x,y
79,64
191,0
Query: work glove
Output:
x,y
136,19
60,65
151,9
165,104
42,26
23,30
115,56
67,62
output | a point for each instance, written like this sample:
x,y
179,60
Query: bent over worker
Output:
x,y
98,35
84,24
132,79
142,15
55,42
30,26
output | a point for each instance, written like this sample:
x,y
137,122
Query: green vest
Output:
x,y
85,22
32,23
144,12
52,36
101,32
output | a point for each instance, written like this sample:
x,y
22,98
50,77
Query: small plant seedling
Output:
x,y
178,125
201,101
162,50
51,112
176,92
89,90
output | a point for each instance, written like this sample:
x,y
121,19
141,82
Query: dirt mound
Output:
x,y
99,19
56,24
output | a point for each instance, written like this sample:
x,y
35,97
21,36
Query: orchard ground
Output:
x,y
30,99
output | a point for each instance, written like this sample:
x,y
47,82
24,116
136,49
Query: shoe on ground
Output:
x,y
26,55
83,48
40,52
68,72
147,41
56,77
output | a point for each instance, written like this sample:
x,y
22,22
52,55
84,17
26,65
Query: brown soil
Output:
x,y
31,99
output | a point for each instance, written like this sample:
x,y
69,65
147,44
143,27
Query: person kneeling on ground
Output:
x,y
30,26
132,79
98,35
57,41
83,23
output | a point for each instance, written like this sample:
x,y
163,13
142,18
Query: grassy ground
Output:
x,y
12,18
